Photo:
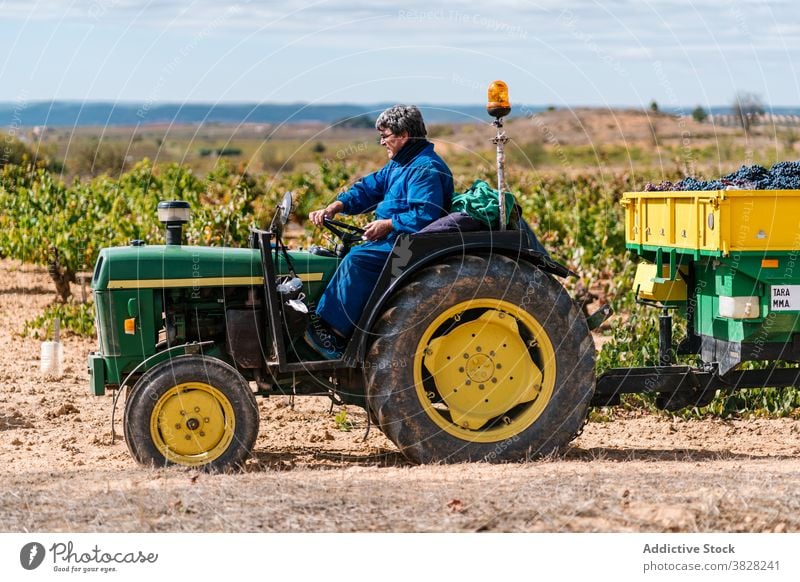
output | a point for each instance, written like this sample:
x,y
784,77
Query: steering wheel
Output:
x,y
348,233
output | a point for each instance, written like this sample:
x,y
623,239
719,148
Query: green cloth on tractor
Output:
x,y
482,202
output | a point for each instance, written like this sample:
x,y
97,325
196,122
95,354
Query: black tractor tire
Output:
x,y
423,428
193,410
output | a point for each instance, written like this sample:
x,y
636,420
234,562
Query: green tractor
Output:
x,y
468,349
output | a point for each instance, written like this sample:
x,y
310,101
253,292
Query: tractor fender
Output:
x,y
411,253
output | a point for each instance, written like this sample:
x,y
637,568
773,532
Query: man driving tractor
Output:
x,y
410,192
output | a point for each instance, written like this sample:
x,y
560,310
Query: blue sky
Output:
x,y
568,52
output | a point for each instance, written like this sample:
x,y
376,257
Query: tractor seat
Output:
x,y
463,222
455,222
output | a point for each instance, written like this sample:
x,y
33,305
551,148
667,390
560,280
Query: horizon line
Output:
x,y
138,102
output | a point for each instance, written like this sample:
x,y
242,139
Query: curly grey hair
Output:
x,y
402,118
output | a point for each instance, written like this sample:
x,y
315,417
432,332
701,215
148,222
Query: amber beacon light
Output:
x,y
498,105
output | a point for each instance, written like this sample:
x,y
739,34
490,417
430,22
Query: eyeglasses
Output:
x,y
382,137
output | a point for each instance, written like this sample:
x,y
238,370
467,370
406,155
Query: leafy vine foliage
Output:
x,y
63,227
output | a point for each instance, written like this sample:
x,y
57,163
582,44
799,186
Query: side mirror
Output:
x,y
285,208
281,214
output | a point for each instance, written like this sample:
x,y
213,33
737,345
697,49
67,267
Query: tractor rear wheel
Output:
x,y
193,410
480,359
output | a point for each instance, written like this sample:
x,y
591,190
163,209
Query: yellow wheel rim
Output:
x,y
192,424
484,370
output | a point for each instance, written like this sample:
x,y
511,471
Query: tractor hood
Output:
x,y
175,266
168,266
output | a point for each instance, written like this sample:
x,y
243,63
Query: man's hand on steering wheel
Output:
x,y
329,211
375,230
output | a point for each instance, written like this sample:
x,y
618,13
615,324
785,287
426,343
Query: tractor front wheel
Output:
x,y
480,359
193,410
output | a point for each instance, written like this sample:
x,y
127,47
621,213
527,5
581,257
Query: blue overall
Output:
x,y
413,189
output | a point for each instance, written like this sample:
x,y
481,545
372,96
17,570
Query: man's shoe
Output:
x,y
324,341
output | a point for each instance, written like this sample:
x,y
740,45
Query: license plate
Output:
x,y
785,298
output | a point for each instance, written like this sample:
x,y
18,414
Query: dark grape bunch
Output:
x,y
781,176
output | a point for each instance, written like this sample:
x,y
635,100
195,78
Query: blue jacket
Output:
x,y
412,192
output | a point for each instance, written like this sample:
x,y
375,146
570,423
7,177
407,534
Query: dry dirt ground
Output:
x,y
59,470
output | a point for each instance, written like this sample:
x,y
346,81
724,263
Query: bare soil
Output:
x,y
60,470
